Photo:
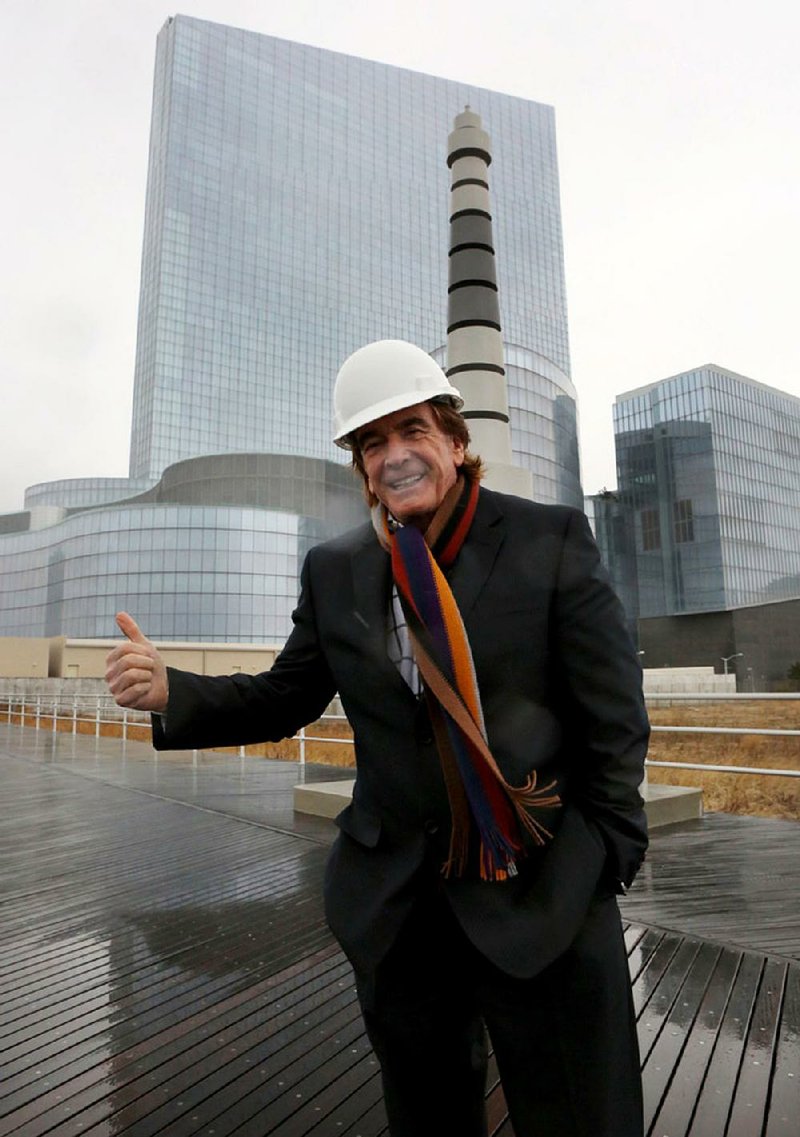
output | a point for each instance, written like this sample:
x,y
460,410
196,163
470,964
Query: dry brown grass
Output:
x,y
327,753
752,794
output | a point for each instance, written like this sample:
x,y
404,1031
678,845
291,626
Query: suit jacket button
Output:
x,y
431,827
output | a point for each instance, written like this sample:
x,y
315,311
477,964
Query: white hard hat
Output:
x,y
383,377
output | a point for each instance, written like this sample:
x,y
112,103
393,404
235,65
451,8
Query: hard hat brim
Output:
x,y
396,403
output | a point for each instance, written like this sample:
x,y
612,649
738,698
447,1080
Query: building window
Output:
x,y
651,533
683,520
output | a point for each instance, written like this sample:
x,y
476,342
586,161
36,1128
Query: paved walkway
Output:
x,y
165,968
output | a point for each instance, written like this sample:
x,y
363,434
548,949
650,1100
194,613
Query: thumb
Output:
x,y
128,626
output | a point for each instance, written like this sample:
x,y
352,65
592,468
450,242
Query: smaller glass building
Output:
x,y
212,551
708,466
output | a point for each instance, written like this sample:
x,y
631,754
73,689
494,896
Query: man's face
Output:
x,y
410,462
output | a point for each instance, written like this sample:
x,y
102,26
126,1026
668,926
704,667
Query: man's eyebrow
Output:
x,y
364,435
370,432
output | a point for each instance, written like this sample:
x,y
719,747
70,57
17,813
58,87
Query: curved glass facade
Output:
x,y
543,413
211,552
543,417
188,573
79,493
709,479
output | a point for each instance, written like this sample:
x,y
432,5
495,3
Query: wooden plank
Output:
x,y
156,1094
783,1119
711,1114
640,954
688,1073
665,1054
262,1102
662,991
206,1036
331,1108
84,1030
751,1096
372,1123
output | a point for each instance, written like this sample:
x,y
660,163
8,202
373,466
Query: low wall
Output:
x,y
687,681
50,687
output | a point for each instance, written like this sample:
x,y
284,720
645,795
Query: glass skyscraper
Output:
x,y
297,208
708,469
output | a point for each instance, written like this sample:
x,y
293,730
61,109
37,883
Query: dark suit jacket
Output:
x,y
560,685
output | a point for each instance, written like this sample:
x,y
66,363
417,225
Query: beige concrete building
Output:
x,y
23,657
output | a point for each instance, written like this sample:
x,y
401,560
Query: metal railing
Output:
x,y
98,710
47,710
670,697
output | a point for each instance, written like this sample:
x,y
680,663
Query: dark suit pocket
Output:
x,y
571,866
525,923
357,823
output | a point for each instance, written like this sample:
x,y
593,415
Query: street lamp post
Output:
x,y
727,658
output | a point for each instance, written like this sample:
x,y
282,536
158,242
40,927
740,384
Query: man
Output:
x,y
495,698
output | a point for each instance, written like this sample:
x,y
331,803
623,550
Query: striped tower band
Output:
x,y
474,338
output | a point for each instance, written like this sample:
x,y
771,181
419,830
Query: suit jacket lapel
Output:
x,y
478,554
371,585
372,589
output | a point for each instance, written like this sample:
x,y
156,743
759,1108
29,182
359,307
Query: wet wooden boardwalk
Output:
x,y
165,967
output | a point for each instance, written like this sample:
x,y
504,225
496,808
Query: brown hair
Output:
x,y
453,424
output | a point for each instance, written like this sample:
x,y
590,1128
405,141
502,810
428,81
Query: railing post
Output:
x,y
124,724
38,709
74,714
302,746
97,716
55,713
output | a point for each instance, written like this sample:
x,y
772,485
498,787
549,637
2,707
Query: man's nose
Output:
x,y
396,451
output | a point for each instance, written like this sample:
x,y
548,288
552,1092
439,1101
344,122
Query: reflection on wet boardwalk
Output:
x,y
165,967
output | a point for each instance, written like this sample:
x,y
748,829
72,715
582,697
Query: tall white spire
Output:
x,y
474,340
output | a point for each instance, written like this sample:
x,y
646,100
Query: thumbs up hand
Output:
x,y
135,672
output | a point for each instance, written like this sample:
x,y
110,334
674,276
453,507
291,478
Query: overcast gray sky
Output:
x,y
677,127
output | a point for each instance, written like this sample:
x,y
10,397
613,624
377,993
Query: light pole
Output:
x,y
727,658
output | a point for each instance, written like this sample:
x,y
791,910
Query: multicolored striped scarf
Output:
x,y
486,810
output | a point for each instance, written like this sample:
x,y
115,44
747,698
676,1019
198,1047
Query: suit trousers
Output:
x,y
564,1041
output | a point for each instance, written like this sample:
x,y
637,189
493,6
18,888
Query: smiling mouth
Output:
x,y
405,483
